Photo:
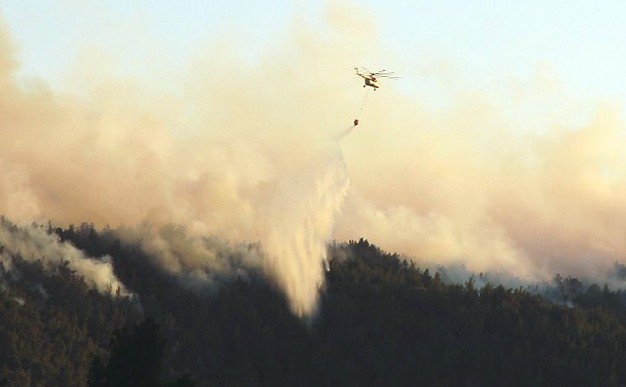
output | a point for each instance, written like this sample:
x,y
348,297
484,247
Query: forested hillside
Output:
x,y
381,321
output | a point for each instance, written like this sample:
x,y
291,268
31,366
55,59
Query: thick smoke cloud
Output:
x,y
468,190
239,156
249,153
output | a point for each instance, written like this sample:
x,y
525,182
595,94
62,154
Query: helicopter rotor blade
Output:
x,y
383,72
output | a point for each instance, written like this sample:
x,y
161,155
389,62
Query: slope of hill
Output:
x,y
381,321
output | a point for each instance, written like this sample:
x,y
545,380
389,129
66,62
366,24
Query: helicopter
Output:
x,y
371,78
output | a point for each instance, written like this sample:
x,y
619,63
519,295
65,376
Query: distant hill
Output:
x,y
381,321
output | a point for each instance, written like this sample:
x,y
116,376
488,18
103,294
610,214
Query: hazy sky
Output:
x,y
501,147
581,43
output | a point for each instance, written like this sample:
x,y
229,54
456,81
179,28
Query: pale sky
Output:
x,y
582,43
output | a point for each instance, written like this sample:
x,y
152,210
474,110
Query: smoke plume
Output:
x,y
34,243
499,180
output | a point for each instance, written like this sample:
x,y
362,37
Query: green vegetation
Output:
x,y
381,321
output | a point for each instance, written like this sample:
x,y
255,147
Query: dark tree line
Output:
x,y
382,321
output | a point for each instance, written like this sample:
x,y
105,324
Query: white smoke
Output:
x,y
34,243
196,260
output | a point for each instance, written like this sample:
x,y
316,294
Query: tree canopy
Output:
x,y
381,321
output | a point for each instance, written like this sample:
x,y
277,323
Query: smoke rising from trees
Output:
x,y
246,153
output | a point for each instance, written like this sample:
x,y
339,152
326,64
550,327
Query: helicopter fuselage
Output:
x,y
369,79
370,82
